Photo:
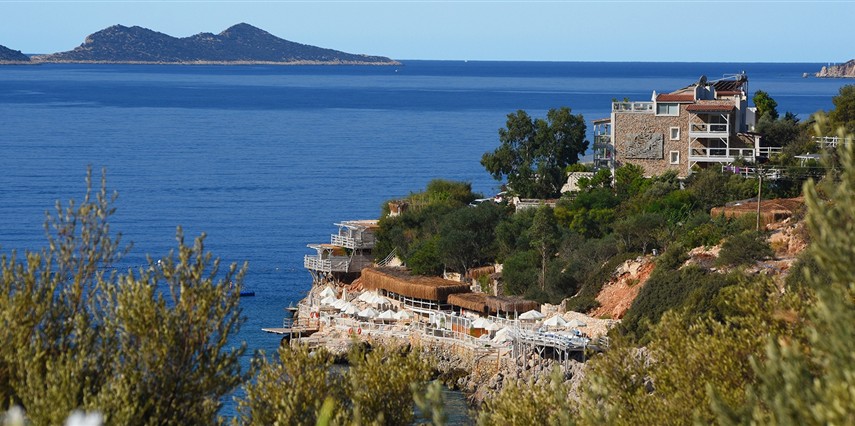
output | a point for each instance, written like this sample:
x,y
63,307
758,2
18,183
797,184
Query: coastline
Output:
x,y
35,60
473,366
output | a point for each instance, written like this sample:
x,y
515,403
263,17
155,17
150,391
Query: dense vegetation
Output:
x,y
239,43
150,346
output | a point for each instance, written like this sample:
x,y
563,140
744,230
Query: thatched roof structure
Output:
x,y
771,211
419,287
472,301
510,304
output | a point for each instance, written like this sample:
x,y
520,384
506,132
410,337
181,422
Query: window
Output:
x,y
675,157
667,109
675,133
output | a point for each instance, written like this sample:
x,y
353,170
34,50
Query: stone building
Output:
x,y
706,124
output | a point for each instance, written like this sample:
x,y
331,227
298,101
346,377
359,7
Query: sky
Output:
x,y
679,31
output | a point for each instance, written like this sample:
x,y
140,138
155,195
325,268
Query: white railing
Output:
x,y
701,129
316,264
767,151
752,172
829,141
645,107
699,154
342,241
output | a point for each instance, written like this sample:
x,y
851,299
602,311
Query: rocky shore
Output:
x,y
477,371
845,70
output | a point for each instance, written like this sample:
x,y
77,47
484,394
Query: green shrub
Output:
x,y
743,249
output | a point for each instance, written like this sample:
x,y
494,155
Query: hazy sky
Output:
x,y
717,31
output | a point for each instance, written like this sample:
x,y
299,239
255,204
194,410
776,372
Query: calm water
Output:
x,y
265,159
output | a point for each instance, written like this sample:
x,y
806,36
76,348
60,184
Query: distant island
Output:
x,y
846,70
12,56
240,44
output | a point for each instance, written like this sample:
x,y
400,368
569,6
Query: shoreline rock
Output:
x,y
845,70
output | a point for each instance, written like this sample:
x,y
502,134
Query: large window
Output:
x,y
667,109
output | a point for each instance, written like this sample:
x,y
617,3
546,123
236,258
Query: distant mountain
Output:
x,y
241,43
838,71
9,55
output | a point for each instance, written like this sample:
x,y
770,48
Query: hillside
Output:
x,y
241,43
846,70
9,55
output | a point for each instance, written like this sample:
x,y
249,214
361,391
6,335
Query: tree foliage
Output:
x,y
144,347
766,106
534,153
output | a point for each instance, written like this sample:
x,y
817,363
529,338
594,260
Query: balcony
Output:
x,y
352,243
719,155
709,130
633,107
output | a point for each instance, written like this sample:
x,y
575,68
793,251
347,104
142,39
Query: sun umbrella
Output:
x,y
575,323
328,292
366,297
555,321
339,303
379,300
329,300
367,313
531,315
481,323
386,315
403,315
351,309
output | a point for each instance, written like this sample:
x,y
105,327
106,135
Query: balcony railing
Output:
x,y
352,243
645,107
829,141
316,264
699,130
767,151
720,154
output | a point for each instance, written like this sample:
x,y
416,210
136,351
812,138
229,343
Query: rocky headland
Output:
x,y
845,70
12,56
239,44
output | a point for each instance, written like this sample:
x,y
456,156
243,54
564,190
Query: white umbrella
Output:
x,y
367,313
367,296
492,327
575,323
531,315
403,315
503,336
481,323
351,309
386,315
379,300
328,292
339,303
555,321
329,300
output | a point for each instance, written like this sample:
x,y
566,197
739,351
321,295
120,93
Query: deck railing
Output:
x,y
719,154
316,264
829,141
705,129
643,107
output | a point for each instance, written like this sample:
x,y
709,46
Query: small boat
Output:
x,y
247,293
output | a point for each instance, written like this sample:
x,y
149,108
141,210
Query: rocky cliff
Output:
x,y
9,55
241,43
846,70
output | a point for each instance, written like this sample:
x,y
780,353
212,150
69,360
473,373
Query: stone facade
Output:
x,y
627,126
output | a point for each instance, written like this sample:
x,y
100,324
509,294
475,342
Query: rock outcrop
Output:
x,y
240,44
846,70
12,56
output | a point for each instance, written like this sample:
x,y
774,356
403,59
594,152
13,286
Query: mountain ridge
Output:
x,y
239,44
8,55
844,70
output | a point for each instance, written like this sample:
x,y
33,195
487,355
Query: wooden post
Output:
x,y
759,192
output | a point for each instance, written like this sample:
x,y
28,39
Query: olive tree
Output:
x,y
145,346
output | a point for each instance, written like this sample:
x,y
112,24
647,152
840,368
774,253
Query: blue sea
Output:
x,y
264,159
